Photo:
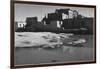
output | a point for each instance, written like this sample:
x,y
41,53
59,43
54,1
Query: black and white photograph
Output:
x,y
53,34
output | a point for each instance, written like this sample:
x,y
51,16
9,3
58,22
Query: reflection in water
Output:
x,y
40,55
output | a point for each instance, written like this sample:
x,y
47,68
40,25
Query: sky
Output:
x,y
32,10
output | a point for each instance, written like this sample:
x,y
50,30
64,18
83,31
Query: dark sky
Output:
x,y
26,10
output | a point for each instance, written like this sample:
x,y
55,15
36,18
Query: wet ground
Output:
x,y
65,53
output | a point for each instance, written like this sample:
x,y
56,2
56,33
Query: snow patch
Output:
x,y
27,39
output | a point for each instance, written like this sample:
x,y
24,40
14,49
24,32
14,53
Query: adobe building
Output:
x,y
61,19
31,23
20,25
